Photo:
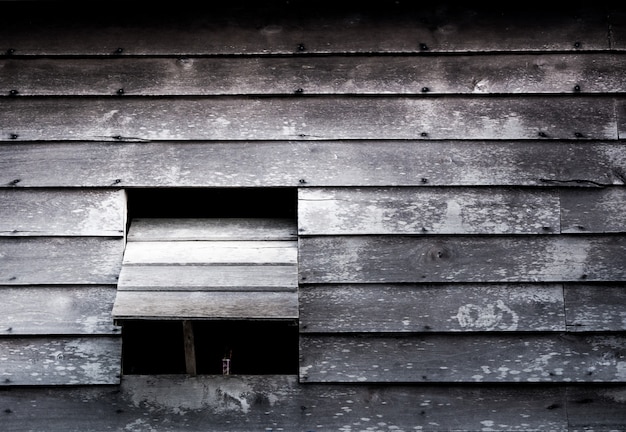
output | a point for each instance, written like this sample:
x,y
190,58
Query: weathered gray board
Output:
x,y
303,164
257,403
431,308
181,404
428,211
62,212
599,210
214,229
465,358
216,305
46,310
57,360
596,307
299,28
280,118
454,74
208,278
60,260
363,259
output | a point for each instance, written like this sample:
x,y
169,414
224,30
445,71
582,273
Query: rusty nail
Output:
x,y
10,51
299,91
302,181
424,134
425,89
577,44
301,47
14,136
424,180
542,134
578,135
14,92
577,88
423,47
120,91
119,51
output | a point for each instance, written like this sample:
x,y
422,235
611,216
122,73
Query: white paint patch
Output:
x,y
490,317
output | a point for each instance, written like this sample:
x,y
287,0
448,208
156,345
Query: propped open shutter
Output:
x,y
190,269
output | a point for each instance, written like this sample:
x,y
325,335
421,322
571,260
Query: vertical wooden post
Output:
x,y
190,348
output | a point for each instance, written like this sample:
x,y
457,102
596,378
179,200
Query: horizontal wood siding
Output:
x,y
43,310
458,258
193,76
276,118
298,164
60,360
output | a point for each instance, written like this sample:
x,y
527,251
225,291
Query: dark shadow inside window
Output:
x,y
251,347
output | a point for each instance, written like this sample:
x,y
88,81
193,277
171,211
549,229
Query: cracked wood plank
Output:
x,y
306,164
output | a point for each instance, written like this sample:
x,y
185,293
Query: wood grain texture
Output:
x,y
595,307
431,308
60,361
598,409
281,28
60,260
463,358
216,305
306,164
214,229
193,76
224,404
208,278
63,212
312,118
427,211
598,210
374,259
211,252
45,310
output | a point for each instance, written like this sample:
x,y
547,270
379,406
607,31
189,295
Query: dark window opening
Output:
x,y
212,203
168,337
221,347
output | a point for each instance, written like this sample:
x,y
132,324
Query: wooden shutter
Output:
x,y
230,268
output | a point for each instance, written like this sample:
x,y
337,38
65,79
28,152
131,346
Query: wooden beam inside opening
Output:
x,y
190,348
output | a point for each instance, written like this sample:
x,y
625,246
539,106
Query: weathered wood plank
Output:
x,y
363,259
595,307
216,403
45,310
427,211
431,308
60,361
373,163
596,408
313,118
60,260
598,210
282,28
212,252
452,74
205,305
463,358
617,20
208,278
177,229
62,212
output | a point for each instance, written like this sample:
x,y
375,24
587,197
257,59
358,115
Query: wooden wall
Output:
x,y
460,176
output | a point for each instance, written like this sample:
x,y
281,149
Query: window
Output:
x,y
209,282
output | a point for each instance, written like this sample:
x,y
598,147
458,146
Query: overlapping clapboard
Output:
x,y
229,268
